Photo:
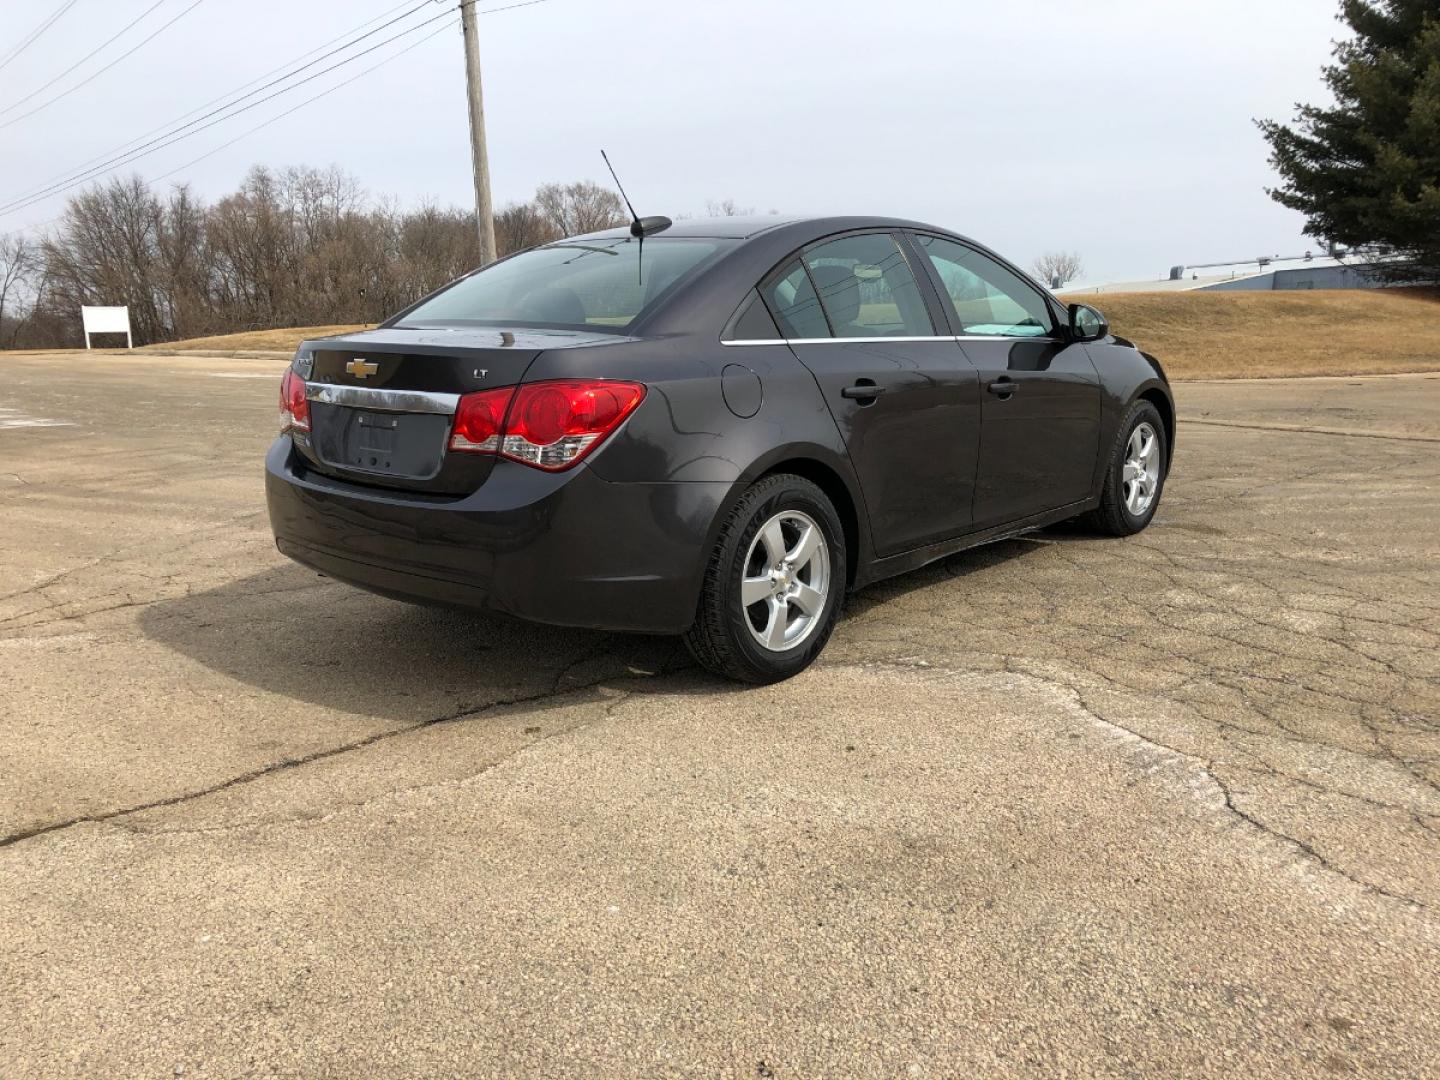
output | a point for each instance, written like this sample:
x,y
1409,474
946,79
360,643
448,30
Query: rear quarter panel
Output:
x,y
685,432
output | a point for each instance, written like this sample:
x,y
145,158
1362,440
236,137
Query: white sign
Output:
x,y
106,320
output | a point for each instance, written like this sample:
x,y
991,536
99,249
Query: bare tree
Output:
x,y
289,247
580,207
726,208
522,225
1055,268
17,263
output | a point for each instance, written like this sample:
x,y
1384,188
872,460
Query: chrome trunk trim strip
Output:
x,y
367,397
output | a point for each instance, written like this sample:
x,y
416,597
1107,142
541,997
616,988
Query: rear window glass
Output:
x,y
598,285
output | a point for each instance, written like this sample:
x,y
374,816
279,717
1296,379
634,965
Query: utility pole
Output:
x,y
480,159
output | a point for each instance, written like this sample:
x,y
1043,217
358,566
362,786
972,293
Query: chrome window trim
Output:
x,y
862,340
373,397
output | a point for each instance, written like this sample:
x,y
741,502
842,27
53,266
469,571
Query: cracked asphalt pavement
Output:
x,y
1064,804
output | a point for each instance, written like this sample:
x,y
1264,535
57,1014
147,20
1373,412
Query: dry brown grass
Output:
x,y
277,340
1197,335
1257,335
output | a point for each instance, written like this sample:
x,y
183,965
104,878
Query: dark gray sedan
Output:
x,y
711,428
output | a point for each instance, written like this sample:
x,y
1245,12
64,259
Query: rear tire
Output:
x,y
774,584
1135,475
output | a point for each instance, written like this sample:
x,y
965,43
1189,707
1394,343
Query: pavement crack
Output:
x,y
285,764
1207,767
1299,429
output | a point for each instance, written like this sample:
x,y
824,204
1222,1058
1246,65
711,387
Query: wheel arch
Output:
x,y
838,492
1166,408
828,471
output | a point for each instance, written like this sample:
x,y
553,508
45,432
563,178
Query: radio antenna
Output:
x,y
639,227
636,228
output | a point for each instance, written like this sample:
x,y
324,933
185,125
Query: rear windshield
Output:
x,y
596,285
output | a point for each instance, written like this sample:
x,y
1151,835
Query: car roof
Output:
x,y
739,227
743,227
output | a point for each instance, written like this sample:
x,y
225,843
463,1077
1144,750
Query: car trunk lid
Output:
x,y
382,402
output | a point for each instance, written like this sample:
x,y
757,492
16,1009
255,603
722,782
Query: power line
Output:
x,y
252,93
130,143
86,81
175,134
507,7
179,133
280,116
34,35
87,56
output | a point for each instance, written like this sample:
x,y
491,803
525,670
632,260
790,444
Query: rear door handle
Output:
x,y
1003,387
862,391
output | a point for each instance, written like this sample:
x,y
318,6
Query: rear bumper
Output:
x,y
564,548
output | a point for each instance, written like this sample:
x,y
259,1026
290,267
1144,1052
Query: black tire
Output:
x,y
1112,516
720,638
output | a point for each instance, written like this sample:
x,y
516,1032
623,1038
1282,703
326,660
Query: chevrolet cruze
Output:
x,y
711,428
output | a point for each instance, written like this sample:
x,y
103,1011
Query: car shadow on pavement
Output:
x,y
962,564
289,631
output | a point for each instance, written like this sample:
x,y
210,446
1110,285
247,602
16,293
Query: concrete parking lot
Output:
x,y
1166,805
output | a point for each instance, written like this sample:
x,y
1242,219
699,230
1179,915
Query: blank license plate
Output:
x,y
395,444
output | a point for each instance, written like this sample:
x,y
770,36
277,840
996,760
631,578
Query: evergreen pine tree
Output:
x,y
1365,171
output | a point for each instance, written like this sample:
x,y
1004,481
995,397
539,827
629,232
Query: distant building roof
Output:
x,y
1202,277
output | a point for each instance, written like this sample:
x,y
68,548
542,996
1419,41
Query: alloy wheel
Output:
x,y
1141,475
786,581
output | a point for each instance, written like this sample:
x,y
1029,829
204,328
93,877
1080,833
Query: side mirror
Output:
x,y
1087,324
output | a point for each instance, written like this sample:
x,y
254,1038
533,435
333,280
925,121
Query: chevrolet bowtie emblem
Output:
x,y
361,369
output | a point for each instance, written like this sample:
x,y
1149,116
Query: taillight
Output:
x,y
477,421
550,425
294,408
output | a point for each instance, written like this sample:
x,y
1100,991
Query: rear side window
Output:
x,y
791,299
867,288
753,323
987,299
572,285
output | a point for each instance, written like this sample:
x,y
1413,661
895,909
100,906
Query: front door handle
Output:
x,y
864,390
1003,387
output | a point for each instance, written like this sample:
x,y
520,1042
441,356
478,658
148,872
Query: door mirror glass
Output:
x,y
1087,324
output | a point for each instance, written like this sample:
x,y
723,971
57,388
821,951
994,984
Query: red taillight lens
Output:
x,y
550,425
294,408
477,421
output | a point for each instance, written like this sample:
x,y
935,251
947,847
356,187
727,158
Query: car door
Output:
x,y
1040,401
906,400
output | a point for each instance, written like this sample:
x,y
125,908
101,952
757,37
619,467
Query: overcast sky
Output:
x,y
1118,128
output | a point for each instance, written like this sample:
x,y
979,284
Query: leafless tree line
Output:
x,y
291,247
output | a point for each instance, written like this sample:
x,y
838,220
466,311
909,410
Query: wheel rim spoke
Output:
x,y
775,625
773,537
804,550
808,600
755,589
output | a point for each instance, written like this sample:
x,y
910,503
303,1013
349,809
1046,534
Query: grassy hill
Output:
x,y
279,340
1257,335
1197,335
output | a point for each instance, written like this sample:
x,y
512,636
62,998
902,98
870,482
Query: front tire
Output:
x,y
1135,476
774,584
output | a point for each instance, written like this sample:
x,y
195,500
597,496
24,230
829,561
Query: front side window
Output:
x,y
599,284
867,289
987,298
